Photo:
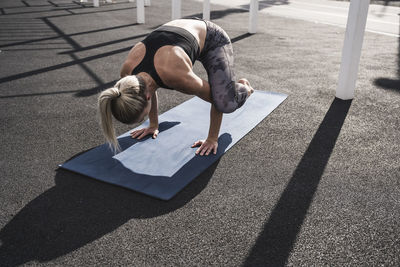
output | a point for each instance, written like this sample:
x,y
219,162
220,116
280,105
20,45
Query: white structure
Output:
x,y
176,9
140,11
96,3
351,52
206,9
253,16
356,22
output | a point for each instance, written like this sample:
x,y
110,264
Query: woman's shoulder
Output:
x,y
135,56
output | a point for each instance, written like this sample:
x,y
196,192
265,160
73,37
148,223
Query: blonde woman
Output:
x,y
164,59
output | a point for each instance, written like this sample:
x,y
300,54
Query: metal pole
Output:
x,y
140,11
253,17
206,9
356,21
176,9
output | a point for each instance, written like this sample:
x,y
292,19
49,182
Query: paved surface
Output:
x,y
381,19
380,2
316,183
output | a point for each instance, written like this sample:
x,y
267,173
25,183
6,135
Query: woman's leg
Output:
x,y
217,59
227,94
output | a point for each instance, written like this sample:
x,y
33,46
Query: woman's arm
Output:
x,y
152,129
201,88
215,123
153,113
177,73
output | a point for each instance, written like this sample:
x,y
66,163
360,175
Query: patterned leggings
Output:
x,y
217,59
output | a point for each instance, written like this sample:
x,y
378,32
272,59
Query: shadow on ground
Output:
x,y
77,211
388,83
276,241
76,47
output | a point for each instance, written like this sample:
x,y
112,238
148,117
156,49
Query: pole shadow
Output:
x,y
275,243
95,90
98,45
240,37
68,35
78,211
77,93
388,83
75,61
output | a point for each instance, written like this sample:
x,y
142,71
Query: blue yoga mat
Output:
x,y
163,166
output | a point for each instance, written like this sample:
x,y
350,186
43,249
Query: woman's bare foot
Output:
x,y
250,89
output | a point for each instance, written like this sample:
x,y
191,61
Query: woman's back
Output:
x,y
161,51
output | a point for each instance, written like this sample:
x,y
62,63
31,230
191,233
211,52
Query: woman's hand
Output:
x,y
153,130
206,146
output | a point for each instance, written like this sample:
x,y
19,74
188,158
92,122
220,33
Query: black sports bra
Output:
x,y
166,35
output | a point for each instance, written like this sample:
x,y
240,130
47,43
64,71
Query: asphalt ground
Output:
x,y
381,2
381,19
316,183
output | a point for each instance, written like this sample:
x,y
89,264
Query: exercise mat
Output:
x,y
163,166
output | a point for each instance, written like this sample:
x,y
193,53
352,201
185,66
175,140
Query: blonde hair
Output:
x,y
125,101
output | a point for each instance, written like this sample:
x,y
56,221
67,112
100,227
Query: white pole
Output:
x,y
96,3
253,17
206,9
140,11
356,20
147,3
176,9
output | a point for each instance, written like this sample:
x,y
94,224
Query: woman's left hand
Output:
x,y
206,146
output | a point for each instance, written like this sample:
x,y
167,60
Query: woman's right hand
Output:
x,y
139,134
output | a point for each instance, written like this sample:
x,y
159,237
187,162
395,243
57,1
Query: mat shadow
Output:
x,y
275,243
79,210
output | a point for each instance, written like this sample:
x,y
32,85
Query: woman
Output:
x,y
165,59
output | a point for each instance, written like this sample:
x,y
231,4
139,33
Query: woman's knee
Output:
x,y
224,97
227,101
225,108
225,104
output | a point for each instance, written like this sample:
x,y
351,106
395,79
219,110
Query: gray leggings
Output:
x,y
217,59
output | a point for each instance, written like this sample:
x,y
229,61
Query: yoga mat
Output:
x,y
163,166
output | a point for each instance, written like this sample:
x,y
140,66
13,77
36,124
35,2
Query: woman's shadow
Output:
x,y
79,210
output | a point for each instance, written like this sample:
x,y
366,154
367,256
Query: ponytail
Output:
x,y
126,101
106,119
